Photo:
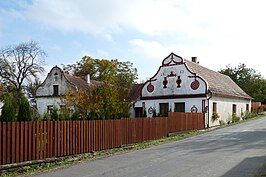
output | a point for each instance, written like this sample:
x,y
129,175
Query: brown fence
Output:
x,y
26,141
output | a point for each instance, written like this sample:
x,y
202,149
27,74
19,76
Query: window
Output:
x,y
50,109
138,112
214,107
247,107
55,90
234,108
164,107
180,107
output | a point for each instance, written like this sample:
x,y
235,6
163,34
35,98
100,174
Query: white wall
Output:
x,y
189,103
55,77
177,71
44,94
43,102
225,108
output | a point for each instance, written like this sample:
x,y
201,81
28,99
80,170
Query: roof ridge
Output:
x,y
186,60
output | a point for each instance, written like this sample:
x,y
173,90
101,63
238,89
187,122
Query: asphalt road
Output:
x,y
238,150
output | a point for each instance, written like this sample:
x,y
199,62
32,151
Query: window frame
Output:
x,y
214,107
164,109
183,108
55,90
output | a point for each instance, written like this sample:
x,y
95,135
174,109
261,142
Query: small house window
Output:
x,y
55,93
180,107
247,107
214,107
164,107
234,108
50,109
139,111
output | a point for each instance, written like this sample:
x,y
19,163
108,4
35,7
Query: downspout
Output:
x,y
208,99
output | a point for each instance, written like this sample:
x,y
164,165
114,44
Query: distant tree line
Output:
x,y
250,80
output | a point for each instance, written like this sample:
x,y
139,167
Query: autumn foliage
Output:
x,y
110,98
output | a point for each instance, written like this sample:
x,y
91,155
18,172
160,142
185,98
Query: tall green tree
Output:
x,y
24,113
110,98
8,110
248,79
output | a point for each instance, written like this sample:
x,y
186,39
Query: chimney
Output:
x,y
194,60
88,79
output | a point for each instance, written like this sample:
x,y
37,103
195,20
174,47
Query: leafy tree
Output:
x,y
54,114
32,88
19,63
110,97
248,79
24,110
8,109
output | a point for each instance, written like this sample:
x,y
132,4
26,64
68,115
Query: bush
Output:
x,y
37,118
235,118
75,116
54,114
144,112
248,115
24,110
154,114
222,122
8,110
46,117
215,116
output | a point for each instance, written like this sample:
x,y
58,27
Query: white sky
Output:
x,y
218,32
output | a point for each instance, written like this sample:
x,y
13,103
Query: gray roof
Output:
x,y
80,83
218,83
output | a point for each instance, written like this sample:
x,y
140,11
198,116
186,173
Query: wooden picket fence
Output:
x,y
27,141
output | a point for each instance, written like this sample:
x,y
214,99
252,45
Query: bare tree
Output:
x,y
19,63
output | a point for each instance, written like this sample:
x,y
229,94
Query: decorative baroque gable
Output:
x,y
174,79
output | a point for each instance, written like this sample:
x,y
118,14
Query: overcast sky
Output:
x,y
217,32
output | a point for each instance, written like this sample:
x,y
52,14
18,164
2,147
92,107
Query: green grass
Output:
x,y
67,161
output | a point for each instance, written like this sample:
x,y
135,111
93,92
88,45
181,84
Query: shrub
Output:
x,y
248,115
8,110
75,116
215,116
144,112
46,117
154,114
54,114
222,122
235,118
24,110
37,118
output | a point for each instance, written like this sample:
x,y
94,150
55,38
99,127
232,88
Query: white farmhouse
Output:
x,y
184,86
56,84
